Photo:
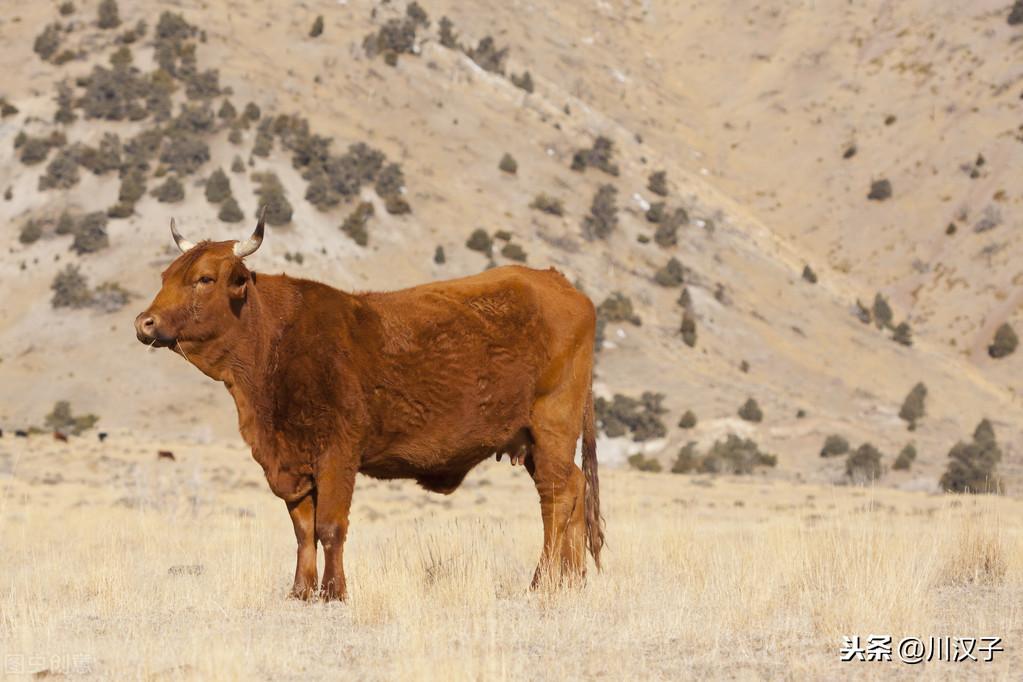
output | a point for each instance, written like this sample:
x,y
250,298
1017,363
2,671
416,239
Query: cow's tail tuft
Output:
x,y
594,521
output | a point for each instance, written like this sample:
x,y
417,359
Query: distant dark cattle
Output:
x,y
57,435
21,434
165,454
422,383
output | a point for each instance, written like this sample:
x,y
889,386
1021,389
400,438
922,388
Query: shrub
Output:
x,y
687,421
912,409
263,144
110,297
31,231
317,29
972,466
480,241
133,187
252,112
524,81
355,224
658,183
91,233
66,8
487,55
508,164
170,191
880,190
864,464
104,158
227,112
230,211
438,256
395,204
185,152
640,418
688,328
33,149
1015,17
903,334
1004,343
640,462
70,289
446,34
108,16
271,195
237,165
415,12
597,156
390,181
667,228
671,275
47,42
61,172
65,224
688,459
750,411
65,113
603,217
218,187
514,252
735,455
547,204
834,445
906,458
62,421
809,275
396,36
617,307
882,312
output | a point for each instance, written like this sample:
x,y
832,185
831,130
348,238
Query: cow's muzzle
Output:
x,y
147,330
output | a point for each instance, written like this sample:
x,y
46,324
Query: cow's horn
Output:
x,y
249,246
182,243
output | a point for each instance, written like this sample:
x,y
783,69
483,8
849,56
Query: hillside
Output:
x,y
751,141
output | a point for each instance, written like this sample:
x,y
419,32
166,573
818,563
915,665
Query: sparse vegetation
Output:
x,y
218,187
548,204
508,164
624,415
70,289
809,275
31,231
905,458
863,466
668,225
880,190
91,233
913,409
903,334
170,191
733,455
355,224
882,312
62,421
750,411
617,307
834,446
488,56
671,275
598,156
271,195
688,328
523,81
514,252
658,183
480,241
61,172
317,28
973,466
1004,343
640,462
108,14
687,421
603,216
438,255
230,211
48,42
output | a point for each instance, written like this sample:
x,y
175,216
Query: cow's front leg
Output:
x,y
334,486
303,516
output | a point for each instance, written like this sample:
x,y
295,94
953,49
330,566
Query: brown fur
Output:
x,y
422,383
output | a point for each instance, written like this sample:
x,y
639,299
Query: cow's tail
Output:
x,y
594,521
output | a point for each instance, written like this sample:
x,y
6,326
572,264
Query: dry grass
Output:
x,y
704,578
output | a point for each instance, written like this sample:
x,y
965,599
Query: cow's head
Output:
x,y
203,292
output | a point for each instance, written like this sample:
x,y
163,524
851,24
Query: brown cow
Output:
x,y
423,383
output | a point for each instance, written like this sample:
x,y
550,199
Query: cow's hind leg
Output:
x,y
560,483
303,516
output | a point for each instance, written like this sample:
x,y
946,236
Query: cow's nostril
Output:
x,y
148,323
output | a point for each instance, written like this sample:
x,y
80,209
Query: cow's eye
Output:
x,y
206,279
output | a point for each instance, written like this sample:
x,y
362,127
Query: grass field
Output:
x,y
116,565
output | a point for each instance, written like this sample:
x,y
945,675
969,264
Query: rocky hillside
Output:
x,y
710,194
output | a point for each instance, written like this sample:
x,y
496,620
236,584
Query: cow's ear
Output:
x,y
239,282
